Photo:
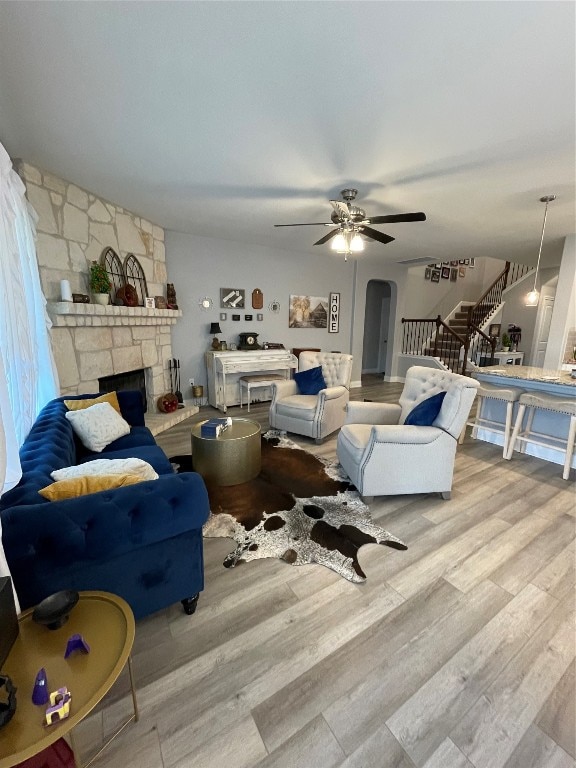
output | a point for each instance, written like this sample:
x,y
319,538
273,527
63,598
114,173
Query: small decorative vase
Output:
x,y
101,298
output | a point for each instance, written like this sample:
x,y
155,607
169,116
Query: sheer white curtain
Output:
x,y
28,377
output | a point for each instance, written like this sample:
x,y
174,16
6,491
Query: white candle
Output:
x,y
65,290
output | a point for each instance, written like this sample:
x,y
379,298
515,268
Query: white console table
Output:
x,y
225,368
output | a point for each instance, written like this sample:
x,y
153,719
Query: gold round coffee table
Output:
x,y
232,458
106,623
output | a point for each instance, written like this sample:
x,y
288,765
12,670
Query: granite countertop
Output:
x,y
528,373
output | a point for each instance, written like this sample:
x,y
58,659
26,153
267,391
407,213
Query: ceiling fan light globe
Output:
x,y
339,242
357,244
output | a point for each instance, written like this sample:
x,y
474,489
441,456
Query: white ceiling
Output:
x,y
224,118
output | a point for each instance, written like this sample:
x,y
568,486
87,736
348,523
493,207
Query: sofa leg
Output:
x,y
367,499
446,495
190,604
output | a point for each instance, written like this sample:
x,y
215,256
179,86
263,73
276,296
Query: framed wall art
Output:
x,y
334,318
427,273
435,277
445,273
308,312
232,298
461,271
453,274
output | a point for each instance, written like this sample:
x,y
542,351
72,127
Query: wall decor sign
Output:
x,y
232,298
308,312
257,299
150,302
334,318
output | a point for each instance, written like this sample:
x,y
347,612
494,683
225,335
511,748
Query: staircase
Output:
x,y
460,339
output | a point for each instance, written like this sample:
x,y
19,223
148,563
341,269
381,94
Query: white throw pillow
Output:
x,y
98,426
108,467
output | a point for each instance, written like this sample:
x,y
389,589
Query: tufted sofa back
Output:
x,y
422,383
336,367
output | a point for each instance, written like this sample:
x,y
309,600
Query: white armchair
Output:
x,y
318,415
383,456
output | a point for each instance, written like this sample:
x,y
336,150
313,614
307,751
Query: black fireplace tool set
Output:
x,y
174,370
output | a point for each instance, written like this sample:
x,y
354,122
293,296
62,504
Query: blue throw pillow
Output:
x,y
425,413
310,382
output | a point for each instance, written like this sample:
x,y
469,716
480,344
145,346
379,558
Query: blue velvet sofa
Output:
x,y
142,542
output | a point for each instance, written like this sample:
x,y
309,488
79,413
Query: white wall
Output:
x,y
564,313
200,266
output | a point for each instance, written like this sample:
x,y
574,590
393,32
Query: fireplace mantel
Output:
x,y
68,314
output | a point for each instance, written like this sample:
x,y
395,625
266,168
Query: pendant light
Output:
x,y
533,297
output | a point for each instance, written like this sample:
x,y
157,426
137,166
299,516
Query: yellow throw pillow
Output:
x,y
82,486
79,405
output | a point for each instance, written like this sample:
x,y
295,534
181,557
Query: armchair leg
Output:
x,y
367,499
190,604
446,495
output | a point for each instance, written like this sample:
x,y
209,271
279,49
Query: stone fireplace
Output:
x,y
92,341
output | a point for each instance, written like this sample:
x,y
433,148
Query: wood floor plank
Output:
x,y
314,745
380,750
423,721
557,718
442,561
408,667
239,747
537,750
284,713
559,576
448,756
521,568
493,727
479,564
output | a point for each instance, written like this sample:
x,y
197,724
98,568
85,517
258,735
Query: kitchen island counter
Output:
x,y
530,379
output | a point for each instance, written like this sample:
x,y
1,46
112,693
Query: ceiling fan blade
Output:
x,y
341,209
395,217
327,237
309,224
375,235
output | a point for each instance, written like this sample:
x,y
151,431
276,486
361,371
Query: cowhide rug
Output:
x,y
300,508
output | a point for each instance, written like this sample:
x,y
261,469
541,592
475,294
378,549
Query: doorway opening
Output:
x,y
378,344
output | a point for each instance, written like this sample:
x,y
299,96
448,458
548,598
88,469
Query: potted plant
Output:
x,y
99,283
505,342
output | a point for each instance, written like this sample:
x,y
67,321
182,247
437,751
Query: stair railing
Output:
x,y
424,336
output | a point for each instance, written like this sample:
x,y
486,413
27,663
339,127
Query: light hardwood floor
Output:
x,y
458,652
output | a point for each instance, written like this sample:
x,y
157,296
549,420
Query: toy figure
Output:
x,y
40,690
59,708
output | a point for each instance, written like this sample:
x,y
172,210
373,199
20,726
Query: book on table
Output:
x,y
213,427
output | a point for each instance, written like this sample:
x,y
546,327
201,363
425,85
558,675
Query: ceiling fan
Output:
x,y
351,223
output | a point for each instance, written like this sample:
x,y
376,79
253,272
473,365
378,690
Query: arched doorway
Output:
x,y
378,341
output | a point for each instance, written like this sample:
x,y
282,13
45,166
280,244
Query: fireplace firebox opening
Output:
x,y
130,380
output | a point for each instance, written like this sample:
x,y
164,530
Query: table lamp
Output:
x,y
215,329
